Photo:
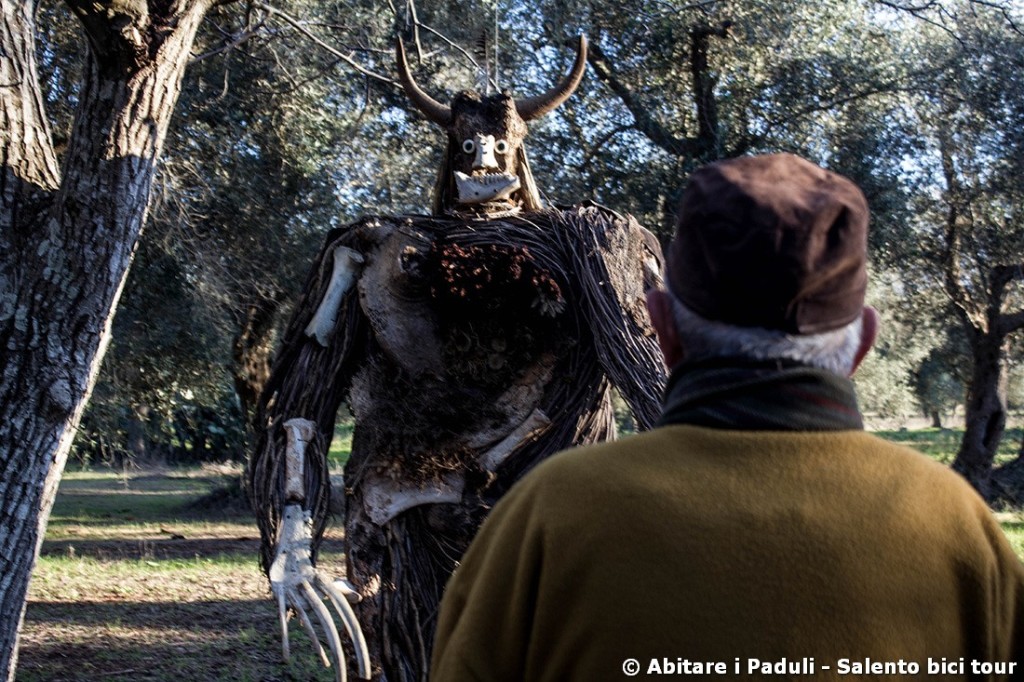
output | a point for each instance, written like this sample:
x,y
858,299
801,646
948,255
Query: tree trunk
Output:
x,y
67,243
985,413
252,351
137,431
936,419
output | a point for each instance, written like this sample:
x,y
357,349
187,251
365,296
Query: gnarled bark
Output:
x,y
987,324
67,240
986,413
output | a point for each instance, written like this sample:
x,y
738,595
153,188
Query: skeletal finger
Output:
x,y
282,614
348,590
307,625
348,618
330,630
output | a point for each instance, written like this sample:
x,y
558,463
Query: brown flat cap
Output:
x,y
771,241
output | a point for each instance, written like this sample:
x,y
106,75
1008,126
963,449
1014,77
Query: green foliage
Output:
x,y
942,444
279,138
341,444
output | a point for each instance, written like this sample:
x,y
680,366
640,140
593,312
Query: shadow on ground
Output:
x,y
195,641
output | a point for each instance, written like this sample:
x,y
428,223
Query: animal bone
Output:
x,y
300,432
476,189
529,108
386,498
534,425
346,268
391,295
515,403
300,587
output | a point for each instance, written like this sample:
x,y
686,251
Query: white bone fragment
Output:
x,y
516,403
282,614
347,590
534,425
385,498
346,267
300,432
476,189
293,538
296,600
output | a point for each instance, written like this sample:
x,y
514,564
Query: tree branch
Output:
x,y
598,144
1002,275
125,35
457,48
233,41
923,9
1011,322
643,121
301,28
116,31
951,252
704,88
26,141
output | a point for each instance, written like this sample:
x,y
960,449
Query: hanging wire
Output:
x,y
497,82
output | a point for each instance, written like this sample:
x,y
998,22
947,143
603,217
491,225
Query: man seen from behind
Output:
x,y
758,531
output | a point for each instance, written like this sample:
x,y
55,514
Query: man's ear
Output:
x,y
659,305
868,334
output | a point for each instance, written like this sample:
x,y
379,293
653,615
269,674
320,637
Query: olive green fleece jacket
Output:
x,y
695,544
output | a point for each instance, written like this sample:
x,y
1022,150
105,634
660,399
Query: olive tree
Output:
x,y
68,230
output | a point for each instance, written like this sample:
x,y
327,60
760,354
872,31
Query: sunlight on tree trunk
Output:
x,y
68,240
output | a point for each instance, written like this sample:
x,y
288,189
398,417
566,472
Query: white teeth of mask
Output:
x,y
480,188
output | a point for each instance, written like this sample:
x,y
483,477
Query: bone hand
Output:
x,y
476,189
300,587
346,267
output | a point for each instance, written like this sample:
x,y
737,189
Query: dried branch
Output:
x,y
458,48
233,41
671,8
908,7
934,7
301,28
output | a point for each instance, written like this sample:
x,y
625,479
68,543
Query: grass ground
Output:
x,y
138,582
942,444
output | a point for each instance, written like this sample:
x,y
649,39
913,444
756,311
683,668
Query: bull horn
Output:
x,y
535,107
431,108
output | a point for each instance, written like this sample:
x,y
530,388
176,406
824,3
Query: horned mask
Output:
x,y
484,171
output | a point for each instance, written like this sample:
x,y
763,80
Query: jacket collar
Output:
x,y
761,395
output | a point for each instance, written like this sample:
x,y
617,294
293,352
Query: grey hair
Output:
x,y
834,350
